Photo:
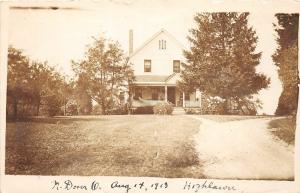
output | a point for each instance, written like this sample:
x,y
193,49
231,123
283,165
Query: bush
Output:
x,y
97,110
118,110
163,108
143,110
53,105
71,108
192,111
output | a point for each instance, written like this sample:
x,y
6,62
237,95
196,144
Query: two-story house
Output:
x,y
157,65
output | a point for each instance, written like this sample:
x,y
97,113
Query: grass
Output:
x,y
227,118
284,129
136,145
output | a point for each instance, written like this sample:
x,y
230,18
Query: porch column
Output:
x,y
183,99
166,93
200,99
199,96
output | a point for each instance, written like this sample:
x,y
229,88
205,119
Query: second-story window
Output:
x,y
162,44
176,66
147,65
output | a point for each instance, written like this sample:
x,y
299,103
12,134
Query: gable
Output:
x,y
161,35
159,51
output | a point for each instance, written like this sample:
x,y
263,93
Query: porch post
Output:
x,y
183,99
166,93
200,99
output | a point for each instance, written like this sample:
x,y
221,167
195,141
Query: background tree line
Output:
x,y
34,88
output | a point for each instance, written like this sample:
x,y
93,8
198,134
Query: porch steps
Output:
x,y
178,111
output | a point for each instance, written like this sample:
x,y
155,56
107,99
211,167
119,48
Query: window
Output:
x,y
147,65
176,66
154,94
137,93
162,44
187,96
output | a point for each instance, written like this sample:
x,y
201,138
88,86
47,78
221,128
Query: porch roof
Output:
x,y
156,79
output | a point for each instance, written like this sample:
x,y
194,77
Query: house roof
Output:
x,y
156,79
153,37
150,78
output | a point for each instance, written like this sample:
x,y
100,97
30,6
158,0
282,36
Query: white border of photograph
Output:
x,y
39,184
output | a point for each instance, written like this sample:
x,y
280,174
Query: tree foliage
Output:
x,y
83,98
286,58
105,72
32,85
222,58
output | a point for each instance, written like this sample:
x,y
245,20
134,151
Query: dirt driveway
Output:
x,y
243,149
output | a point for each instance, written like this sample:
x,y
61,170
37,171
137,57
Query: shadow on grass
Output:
x,y
53,120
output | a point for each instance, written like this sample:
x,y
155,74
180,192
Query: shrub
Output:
x,y
97,110
192,111
143,110
71,108
121,109
53,105
163,108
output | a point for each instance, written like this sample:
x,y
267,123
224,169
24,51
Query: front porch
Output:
x,y
149,95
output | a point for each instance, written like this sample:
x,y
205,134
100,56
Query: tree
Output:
x,y
286,58
18,76
104,70
40,75
32,84
84,100
222,57
49,89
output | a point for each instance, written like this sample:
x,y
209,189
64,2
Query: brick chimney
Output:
x,y
130,42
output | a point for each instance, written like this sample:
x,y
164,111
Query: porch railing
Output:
x,y
190,104
145,102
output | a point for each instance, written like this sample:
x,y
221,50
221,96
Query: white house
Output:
x,y
157,67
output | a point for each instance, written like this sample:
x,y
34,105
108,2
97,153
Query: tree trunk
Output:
x,y
65,106
103,106
15,108
38,108
103,109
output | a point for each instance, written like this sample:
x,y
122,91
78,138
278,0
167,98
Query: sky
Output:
x,y
62,35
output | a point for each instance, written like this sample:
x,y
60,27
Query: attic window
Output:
x,y
162,44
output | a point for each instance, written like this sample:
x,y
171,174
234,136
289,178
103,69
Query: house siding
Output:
x,y
161,59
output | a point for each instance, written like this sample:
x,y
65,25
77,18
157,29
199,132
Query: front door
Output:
x,y
171,94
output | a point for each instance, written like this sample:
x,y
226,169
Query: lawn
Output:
x,y
284,129
133,145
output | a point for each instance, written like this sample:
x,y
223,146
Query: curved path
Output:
x,y
243,149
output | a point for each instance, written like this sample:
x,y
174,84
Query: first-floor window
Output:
x,y
154,94
147,65
137,93
187,96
